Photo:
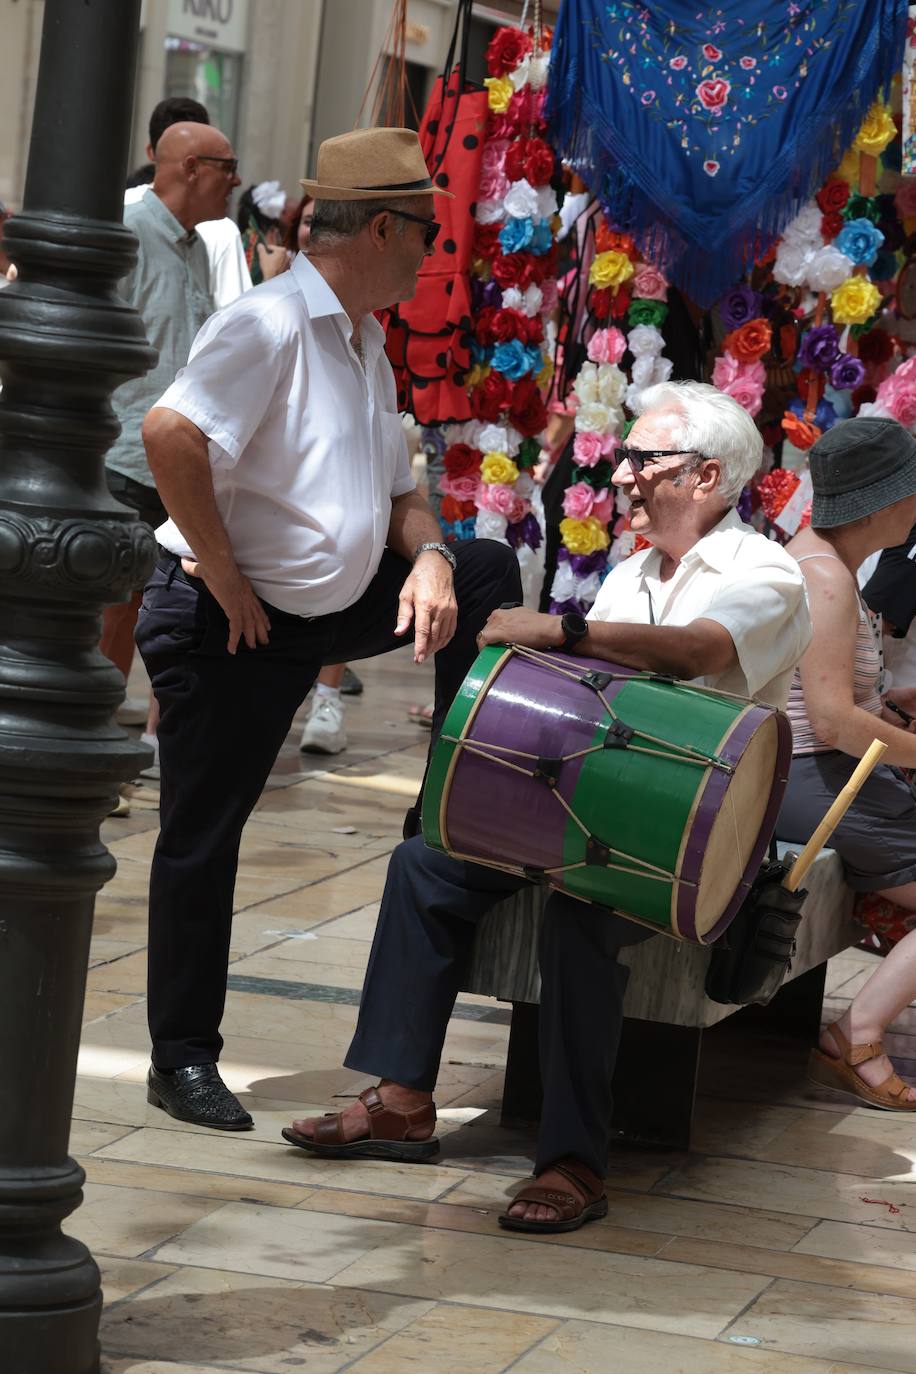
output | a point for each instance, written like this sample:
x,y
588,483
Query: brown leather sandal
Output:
x,y
840,1074
572,1212
391,1135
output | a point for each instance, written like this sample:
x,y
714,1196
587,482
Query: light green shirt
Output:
x,y
170,287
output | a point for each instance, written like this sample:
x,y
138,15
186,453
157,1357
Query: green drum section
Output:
x,y
640,801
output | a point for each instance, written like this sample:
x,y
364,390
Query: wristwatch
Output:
x,y
574,627
437,548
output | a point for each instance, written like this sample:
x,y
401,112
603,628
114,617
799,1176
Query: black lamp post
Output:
x,y
66,549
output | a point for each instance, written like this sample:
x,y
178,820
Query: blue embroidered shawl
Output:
x,y
703,129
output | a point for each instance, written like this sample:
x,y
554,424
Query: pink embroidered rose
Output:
x,y
710,167
589,448
650,285
713,94
677,64
711,52
647,97
725,371
748,63
607,346
578,501
780,92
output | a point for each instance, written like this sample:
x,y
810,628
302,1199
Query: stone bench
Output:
x,y
666,1009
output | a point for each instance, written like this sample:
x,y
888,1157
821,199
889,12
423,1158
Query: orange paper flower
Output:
x,y
607,241
750,342
801,433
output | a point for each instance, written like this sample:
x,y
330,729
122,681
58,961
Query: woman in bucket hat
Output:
x,y
864,477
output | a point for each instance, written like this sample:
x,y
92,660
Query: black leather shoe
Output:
x,y
351,686
197,1094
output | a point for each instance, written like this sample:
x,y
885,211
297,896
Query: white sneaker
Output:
x,y
324,731
132,711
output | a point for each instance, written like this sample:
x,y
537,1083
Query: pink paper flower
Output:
x,y
517,509
494,155
725,371
578,501
462,488
603,508
650,285
746,393
589,448
607,346
493,186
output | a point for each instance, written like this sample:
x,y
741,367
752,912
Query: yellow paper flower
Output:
x,y
610,269
498,467
584,536
545,376
500,91
855,301
877,131
477,374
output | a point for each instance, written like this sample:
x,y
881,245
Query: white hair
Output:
x,y
712,424
334,221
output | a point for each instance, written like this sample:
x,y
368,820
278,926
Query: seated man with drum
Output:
x,y
712,603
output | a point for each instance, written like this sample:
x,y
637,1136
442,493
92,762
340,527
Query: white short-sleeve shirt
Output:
x,y
737,577
307,449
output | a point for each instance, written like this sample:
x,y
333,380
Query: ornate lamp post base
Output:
x,y
66,548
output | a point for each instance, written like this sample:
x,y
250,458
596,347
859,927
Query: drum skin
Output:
x,y
673,841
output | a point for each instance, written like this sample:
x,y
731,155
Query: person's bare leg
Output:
x,y
152,719
355,1118
891,987
117,642
332,676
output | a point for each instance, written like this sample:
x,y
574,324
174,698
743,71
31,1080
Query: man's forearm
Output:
x,y
683,651
178,458
412,523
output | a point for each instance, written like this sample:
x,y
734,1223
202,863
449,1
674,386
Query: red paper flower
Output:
x,y
453,510
750,342
620,302
508,48
461,460
833,195
485,243
776,488
527,410
609,241
831,224
491,398
800,432
532,159
507,325
876,347
863,394
600,302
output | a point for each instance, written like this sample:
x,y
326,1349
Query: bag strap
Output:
x,y
462,24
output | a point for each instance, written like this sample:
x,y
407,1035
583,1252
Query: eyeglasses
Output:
x,y
432,226
638,457
231,164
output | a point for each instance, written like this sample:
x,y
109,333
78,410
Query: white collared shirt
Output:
x,y
307,449
229,275
736,577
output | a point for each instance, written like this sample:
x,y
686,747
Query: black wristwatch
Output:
x,y
575,627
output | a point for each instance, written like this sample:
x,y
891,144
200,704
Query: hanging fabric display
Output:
x,y
704,130
487,488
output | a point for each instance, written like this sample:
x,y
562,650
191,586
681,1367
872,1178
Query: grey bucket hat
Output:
x,y
858,467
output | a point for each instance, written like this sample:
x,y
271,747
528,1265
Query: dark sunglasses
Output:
x,y
432,226
638,457
231,164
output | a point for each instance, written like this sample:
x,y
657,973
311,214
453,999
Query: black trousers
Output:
x,y
223,720
422,945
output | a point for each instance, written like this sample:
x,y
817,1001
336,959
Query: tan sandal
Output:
x,y
572,1211
390,1135
840,1074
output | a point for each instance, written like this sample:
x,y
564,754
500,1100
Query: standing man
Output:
x,y
170,287
297,538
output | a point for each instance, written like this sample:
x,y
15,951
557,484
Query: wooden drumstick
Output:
x,y
870,758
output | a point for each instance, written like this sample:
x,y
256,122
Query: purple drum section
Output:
x,y
497,814
709,806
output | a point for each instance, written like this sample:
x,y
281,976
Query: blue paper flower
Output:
x,y
860,240
516,234
824,417
512,360
542,238
481,353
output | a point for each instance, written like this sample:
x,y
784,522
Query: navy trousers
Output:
x,y
420,953
223,720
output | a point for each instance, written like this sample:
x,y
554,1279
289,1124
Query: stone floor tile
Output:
x,y
115,1221
860,1244
103,951
738,1128
99,1004
120,1173
488,1341
126,975
88,1136
836,1324
121,1278
801,1192
248,1322
280,1243
790,1264
880,1144
241,1155
503,1272
584,1348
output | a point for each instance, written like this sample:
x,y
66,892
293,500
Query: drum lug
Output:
x,y
548,770
618,735
536,875
597,681
596,852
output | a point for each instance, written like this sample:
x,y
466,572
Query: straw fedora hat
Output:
x,y
371,164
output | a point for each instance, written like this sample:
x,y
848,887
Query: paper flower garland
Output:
x,y
488,489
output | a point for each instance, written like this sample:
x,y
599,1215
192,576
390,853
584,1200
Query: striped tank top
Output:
x,y
867,678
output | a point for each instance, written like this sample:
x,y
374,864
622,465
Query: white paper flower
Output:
x,y
875,409
467,433
520,201
828,269
529,301
490,525
586,384
806,227
634,391
490,211
494,439
587,588
612,384
645,341
662,370
643,371
793,260
547,202
564,583
524,486
594,418
531,71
